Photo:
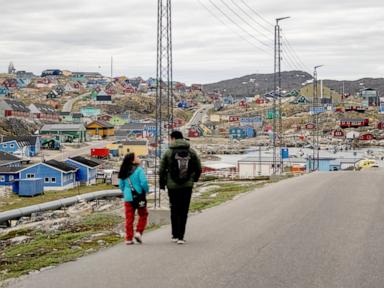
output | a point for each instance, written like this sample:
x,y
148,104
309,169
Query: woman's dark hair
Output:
x,y
127,166
176,135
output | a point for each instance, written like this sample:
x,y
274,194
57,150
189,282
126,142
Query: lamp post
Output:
x,y
316,112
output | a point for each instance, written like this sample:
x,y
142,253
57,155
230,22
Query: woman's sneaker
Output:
x,y
129,242
138,238
174,240
180,242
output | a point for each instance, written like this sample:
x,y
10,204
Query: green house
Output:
x,y
65,132
270,114
90,111
118,121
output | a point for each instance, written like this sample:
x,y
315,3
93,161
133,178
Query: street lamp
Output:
x,y
316,112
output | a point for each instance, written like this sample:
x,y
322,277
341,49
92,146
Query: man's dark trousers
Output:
x,y
179,200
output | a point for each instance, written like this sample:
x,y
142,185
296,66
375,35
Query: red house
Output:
x,y
354,123
380,125
14,109
234,118
10,83
310,126
44,112
338,133
193,133
366,137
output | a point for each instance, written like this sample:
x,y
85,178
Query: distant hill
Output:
x,y
263,83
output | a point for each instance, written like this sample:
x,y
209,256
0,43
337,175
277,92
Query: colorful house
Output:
x,y
13,109
4,91
65,132
139,147
90,111
24,146
100,128
57,175
44,112
87,169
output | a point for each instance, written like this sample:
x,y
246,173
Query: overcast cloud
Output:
x,y
345,35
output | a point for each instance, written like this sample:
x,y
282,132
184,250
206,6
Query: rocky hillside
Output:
x,y
263,83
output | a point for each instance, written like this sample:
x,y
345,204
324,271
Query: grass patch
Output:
x,y
14,201
220,195
49,249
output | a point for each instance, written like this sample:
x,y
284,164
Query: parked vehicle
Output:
x,y
100,153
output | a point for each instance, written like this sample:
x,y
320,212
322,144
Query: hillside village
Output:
x,y
73,128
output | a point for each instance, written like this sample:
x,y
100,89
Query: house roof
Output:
x,y
352,119
85,161
10,170
77,115
44,108
65,167
102,124
17,105
135,142
22,140
8,157
103,98
63,127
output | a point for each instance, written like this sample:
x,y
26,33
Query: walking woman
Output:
x,y
134,185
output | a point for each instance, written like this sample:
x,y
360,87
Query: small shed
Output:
x,y
366,137
29,187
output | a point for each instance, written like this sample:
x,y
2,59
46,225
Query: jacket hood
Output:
x,y
180,143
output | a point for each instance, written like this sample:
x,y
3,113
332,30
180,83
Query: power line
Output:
x,y
244,21
237,25
295,55
230,27
257,13
269,31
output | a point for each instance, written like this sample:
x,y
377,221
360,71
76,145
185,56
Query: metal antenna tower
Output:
x,y
277,131
316,122
164,79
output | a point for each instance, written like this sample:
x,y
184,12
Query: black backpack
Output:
x,y
181,165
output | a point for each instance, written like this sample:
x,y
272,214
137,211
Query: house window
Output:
x,y
29,176
46,180
2,178
11,178
53,180
4,145
11,145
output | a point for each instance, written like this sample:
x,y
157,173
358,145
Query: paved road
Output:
x,y
68,105
197,118
320,230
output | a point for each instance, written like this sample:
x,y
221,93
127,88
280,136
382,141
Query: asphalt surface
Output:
x,y
320,230
68,105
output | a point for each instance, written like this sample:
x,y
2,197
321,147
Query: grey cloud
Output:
x,y
345,35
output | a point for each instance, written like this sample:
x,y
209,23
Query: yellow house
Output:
x,y
139,147
100,128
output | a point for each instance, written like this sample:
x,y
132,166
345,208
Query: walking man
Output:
x,y
180,168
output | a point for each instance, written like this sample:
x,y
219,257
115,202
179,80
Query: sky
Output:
x,y
213,40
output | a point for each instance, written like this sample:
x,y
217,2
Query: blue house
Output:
x,y
8,175
25,146
87,169
57,175
241,132
4,91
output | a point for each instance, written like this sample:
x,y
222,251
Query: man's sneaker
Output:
x,y
180,242
138,237
129,242
174,240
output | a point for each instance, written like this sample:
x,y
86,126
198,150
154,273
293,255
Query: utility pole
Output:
x,y
277,93
164,79
316,122
111,67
